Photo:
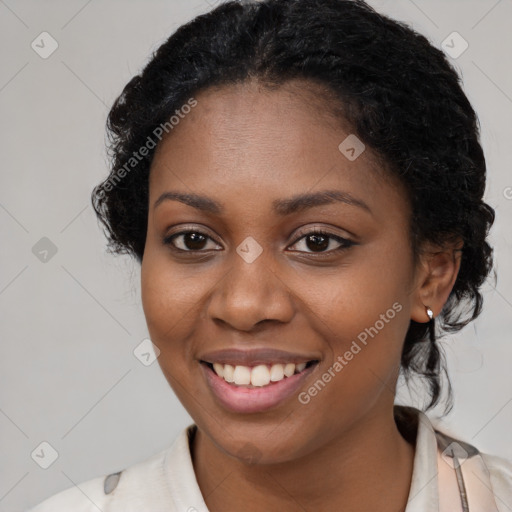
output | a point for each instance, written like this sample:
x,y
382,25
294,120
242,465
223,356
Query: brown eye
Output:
x,y
319,241
189,241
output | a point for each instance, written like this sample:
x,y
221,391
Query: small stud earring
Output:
x,y
429,313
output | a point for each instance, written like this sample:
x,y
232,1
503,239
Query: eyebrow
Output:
x,y
282,207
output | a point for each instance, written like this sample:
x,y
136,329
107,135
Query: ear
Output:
x,y
435,276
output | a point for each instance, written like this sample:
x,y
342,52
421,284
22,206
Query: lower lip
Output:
x,y
248,400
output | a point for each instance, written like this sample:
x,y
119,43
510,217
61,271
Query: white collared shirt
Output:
x,y
166,482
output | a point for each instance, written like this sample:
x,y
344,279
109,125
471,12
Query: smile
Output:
x,y
246,389
258,375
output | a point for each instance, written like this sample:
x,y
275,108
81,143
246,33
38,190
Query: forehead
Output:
x,y
246,139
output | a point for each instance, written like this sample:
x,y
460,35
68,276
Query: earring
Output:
x,y
431,325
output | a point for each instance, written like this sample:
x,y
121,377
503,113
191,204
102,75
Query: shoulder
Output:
x,y
494,475
142,483
493,472
500,472
499,467
84,497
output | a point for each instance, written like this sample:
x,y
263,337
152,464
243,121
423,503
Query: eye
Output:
x,y
318,241
189,241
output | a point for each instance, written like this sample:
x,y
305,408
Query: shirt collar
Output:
x,y
423,494
424,491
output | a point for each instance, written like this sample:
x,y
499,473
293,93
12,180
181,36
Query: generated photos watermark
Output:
x,y
342,360
151,143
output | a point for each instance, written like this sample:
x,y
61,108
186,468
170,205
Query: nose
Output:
x,y
249,295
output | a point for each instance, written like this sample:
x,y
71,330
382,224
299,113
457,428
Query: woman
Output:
x,y
301,182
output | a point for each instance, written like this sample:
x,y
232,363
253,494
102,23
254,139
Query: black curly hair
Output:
x,y
399,94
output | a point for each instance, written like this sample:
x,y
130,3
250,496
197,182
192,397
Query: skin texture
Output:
x,y
246,146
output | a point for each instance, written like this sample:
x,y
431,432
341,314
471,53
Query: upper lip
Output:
x,y
255,356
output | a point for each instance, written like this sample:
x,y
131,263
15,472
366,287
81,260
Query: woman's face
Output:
x,y
251,276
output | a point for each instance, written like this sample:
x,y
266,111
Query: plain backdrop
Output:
x,y
71,316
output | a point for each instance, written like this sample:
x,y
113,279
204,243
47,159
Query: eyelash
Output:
x,y
345,243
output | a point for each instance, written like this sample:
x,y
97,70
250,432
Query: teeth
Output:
x,y
300,367
260,375
242,375
257,376
228,373
289,369
219,369
276,372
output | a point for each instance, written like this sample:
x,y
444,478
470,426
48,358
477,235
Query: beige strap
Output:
x,y
463,478
449,496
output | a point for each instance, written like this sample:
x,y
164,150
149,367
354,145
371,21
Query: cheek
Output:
x,y
362,365
167,295
362,312
166,302
174,299
356,295
171,306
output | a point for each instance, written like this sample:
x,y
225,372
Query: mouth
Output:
x,y
250,389
257,375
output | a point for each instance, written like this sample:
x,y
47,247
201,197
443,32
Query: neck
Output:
x,y
368,467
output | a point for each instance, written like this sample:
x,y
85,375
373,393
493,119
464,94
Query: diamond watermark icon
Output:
x,y
454,455
44,455
44,45
351,147
146,352
249,453
249,249
454,45
44,250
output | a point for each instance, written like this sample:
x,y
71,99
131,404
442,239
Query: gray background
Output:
x,y
70,325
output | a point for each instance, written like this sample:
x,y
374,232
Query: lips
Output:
x,y
256,356
249,398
